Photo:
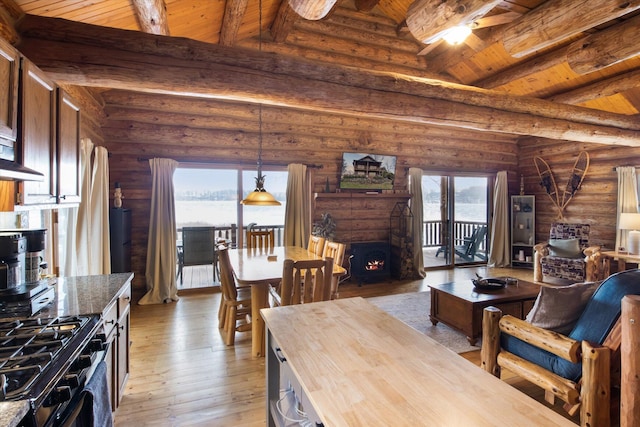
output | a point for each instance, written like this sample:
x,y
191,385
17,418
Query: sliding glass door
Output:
x,y
455,214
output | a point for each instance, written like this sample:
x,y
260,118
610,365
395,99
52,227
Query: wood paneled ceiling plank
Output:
x,y
601,89
429,20
233,13
555,21
605,48
151,16
95,56
312,9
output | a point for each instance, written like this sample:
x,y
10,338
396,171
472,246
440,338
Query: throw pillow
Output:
x,y
558,308
565,248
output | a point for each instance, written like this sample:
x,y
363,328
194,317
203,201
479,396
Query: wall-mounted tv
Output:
x,y
362,171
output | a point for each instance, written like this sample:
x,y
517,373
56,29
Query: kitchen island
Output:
x,y
106,296
348,363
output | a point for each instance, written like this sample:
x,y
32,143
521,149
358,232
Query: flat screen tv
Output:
x,y
362,171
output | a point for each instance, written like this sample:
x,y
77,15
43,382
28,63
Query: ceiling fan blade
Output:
x,y
428,48
493,20
475,42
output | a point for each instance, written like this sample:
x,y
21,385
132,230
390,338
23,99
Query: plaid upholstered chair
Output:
x,y
567,257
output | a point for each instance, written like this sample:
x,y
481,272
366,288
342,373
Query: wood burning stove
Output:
x,y
370,262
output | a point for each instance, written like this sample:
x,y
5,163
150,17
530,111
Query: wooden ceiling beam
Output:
x,y
493,20
151,16
10,13
233,13
312,9
601,89
366,5
88,55
429,20
606,47
591,53
555,21
283,22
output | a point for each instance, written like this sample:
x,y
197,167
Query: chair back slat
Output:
x,y
306,281
334,250
316,245
260,239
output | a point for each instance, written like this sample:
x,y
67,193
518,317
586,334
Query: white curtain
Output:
x,y
415,188
627,199
500,253
161,248
297,216
100,245
89,252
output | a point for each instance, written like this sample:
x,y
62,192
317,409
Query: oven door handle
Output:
x,y
71,418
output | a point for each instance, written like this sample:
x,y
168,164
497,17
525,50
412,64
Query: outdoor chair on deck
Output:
x,y
469,250
197,248
581,368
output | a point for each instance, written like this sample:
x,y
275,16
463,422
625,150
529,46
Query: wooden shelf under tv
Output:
x,y
348,195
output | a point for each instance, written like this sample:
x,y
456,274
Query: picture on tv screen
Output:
x,y
361,171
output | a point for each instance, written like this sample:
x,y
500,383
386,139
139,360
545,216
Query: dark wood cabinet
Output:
x,y
9,74
37,134
68,149
116,319
120,235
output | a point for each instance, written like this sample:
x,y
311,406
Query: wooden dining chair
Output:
x,y
304,281
316,245
336,251
260,239
235,315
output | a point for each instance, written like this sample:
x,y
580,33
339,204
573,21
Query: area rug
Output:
x,y
413,309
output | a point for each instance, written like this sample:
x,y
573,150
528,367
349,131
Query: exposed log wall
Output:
x,y
595,202
144,125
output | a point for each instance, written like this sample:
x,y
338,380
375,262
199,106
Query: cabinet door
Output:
x,y
68,160
9,68
123,353
37,134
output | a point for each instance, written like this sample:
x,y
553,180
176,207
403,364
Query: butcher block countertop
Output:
x,y
359,366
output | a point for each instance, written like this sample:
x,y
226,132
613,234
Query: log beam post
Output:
x,y
630,377
490,340
595,393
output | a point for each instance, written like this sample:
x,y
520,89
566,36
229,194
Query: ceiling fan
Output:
x,y
435,21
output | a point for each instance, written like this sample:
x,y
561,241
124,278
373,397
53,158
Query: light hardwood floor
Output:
x,y
182,374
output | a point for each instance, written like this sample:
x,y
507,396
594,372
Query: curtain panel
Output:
x,y
500,251
297,217
415,189
161,247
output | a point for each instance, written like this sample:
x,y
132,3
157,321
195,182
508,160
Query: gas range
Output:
x,y
47,362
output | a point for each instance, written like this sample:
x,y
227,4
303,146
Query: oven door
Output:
x,y
90,406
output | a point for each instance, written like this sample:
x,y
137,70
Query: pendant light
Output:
x,y
260,196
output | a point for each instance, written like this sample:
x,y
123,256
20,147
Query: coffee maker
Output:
x,y
22,292
13,247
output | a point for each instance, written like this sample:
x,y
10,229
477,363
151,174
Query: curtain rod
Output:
x,y
241,163
623,166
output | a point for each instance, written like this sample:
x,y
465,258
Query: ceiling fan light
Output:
x,y
457,34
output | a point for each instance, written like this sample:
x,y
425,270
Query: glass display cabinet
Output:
x,y
523,230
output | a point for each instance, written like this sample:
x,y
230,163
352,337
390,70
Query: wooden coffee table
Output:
x,y
459,305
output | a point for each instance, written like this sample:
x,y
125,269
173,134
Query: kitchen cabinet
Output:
x,y
120,239
9,75
37,132
523,230
68,149
116,318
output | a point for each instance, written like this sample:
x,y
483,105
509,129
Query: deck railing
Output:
x,y
433,235
229,232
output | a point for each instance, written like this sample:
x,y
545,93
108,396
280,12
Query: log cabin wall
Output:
x,y
188,129
595,202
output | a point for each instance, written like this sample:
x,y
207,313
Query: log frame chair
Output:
x,y
303,282
594,390
260,239
336,251
316,244
236,303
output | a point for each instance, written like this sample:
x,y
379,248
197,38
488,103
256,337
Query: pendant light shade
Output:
x,y
260,196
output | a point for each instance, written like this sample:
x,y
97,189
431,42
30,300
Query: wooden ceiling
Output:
x,y
583,53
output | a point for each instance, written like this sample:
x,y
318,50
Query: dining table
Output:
x,y
260,268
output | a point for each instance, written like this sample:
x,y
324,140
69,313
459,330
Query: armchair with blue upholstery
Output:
x,y
579,368
566,257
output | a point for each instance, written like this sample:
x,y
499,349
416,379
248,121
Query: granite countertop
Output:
x,y
74,296
85,294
